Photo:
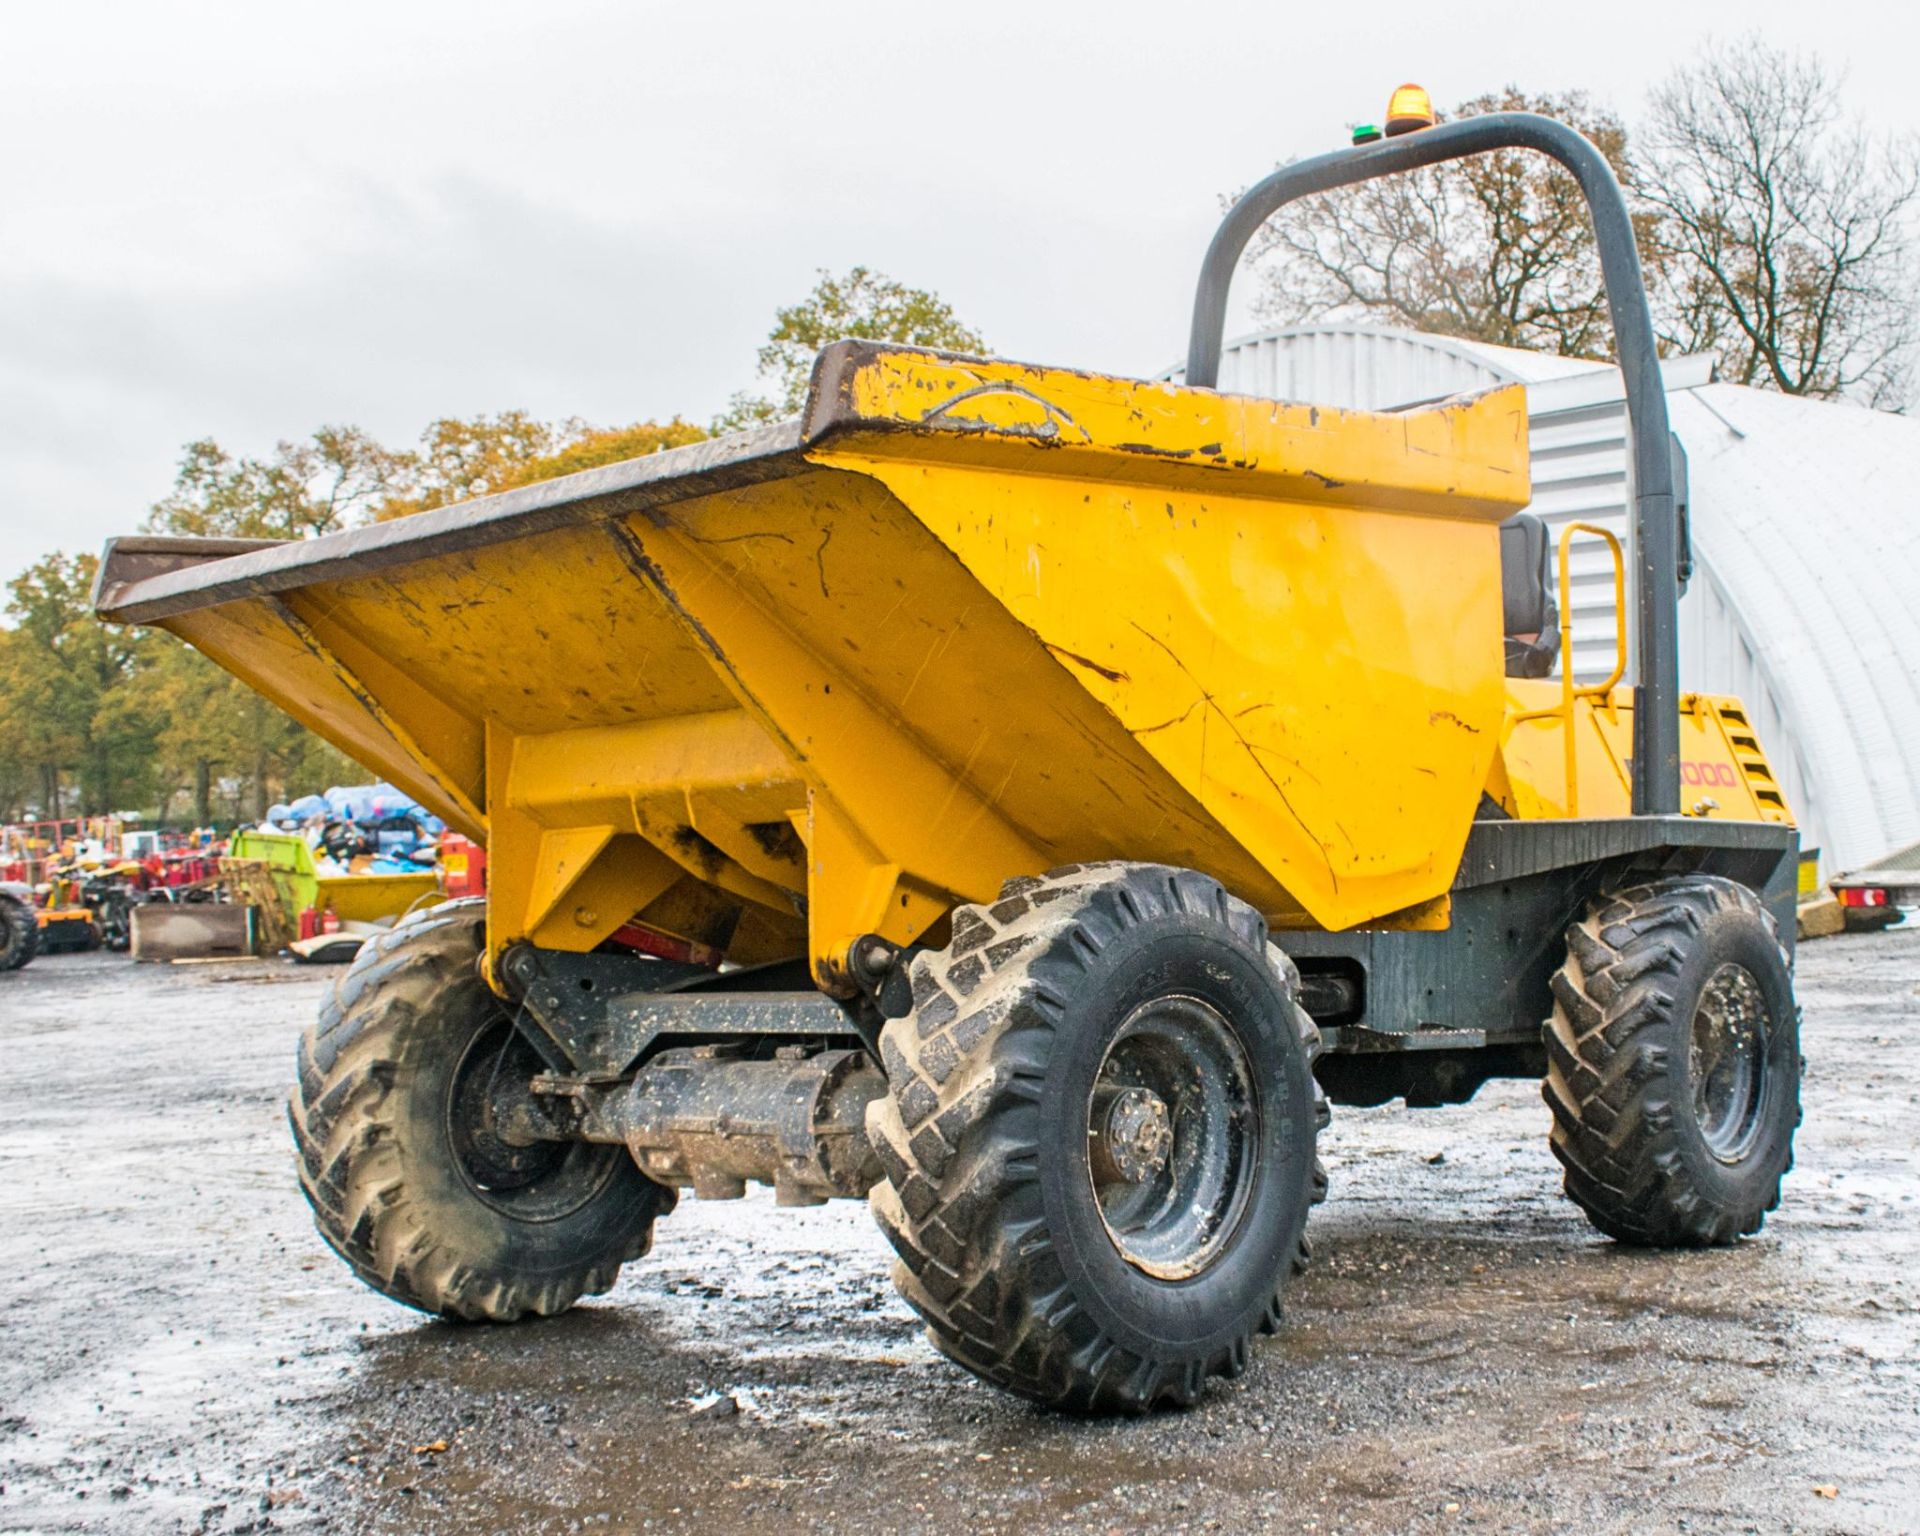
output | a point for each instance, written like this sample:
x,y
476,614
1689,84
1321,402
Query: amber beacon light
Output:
x,y
1410,108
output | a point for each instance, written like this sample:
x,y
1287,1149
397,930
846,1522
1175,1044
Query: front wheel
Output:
x,y
1673,1063
403,1116
19,933
1099,1137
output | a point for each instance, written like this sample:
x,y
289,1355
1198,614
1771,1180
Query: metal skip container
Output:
x,y
779,690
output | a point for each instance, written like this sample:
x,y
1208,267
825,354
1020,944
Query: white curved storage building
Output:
x,y
1805,598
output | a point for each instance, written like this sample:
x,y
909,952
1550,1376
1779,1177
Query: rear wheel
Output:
x,y
1099,1137
19,933
409,1117
114,915
1674,1063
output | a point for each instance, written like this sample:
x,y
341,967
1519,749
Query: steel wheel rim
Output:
x,y
1726,1066
544,1181
1173,1133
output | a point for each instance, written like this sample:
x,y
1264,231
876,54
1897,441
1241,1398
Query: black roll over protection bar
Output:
x,y
1656,717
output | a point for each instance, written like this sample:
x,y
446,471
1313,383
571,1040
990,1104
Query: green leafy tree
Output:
x,y
198,741
20,770
70,707
301,489
212,729
222,751
864,304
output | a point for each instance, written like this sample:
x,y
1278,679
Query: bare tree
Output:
x,y
1494,248
1780,237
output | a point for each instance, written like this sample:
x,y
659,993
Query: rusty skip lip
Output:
x,y
222,575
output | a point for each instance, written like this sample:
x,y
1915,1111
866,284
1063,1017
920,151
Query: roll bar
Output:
x,y
1656,717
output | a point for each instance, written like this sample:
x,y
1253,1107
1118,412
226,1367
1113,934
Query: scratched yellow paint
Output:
x,y
1295,611
1460,461
992,619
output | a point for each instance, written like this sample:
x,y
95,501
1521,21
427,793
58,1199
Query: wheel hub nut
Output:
x,y
1136,1134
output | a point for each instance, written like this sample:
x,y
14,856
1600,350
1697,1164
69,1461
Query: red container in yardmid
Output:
x,y
463,866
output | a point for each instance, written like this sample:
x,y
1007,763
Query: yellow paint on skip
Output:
x,y
994,618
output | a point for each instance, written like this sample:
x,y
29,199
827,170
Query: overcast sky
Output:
x,y
246,220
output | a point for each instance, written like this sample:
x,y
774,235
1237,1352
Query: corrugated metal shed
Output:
x,y
1373,370
1806,595
1807,518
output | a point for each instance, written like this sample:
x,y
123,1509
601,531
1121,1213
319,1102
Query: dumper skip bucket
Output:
x,y
965,620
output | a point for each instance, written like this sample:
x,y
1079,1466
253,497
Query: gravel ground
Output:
x,y
182,1354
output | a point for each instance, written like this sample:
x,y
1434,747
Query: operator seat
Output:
x,y
1531,619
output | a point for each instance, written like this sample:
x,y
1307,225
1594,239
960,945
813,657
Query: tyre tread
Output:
x,y
1610,1079
22,930
346,1135
957,1136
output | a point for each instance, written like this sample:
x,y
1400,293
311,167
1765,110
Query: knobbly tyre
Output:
x,y
1025,797
19,926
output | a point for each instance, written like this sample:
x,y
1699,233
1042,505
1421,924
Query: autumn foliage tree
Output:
x,y
461,459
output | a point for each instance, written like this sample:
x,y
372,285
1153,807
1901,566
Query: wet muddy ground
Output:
x,y
182,1354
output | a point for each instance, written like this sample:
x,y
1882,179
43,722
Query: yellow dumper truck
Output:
x,y
1023,797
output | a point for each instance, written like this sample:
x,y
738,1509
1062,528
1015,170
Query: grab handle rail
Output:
x,y
1570,691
